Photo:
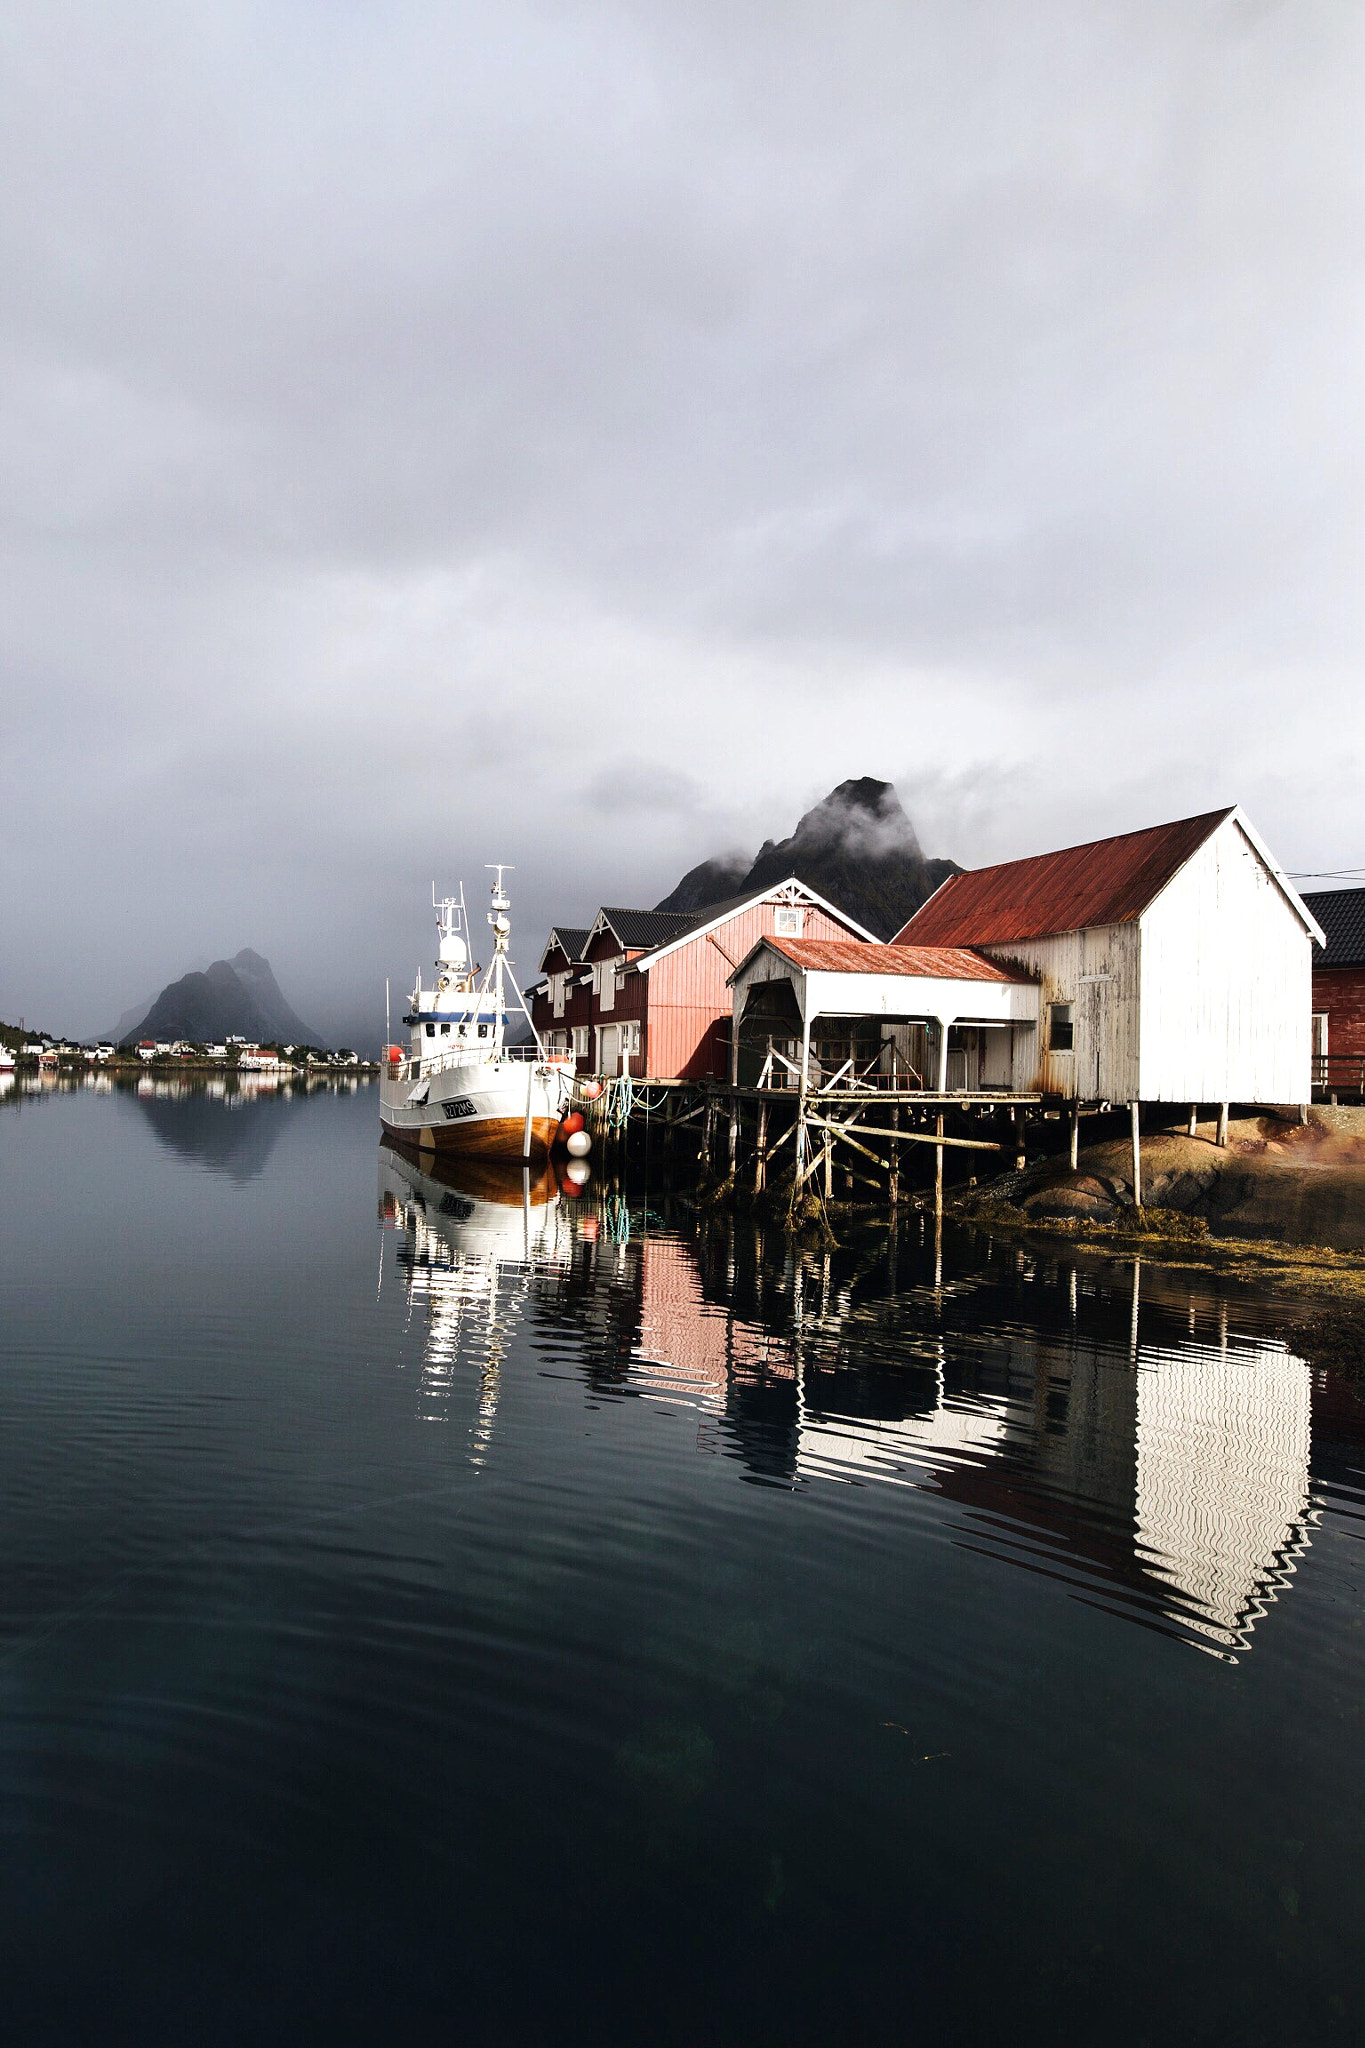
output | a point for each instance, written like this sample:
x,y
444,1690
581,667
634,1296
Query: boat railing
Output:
x,y
476,1054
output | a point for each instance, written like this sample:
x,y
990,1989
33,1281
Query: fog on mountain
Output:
x,y
237,998
856,847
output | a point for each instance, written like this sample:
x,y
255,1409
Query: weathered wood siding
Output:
x,y
689,1001
1097,972
1226,984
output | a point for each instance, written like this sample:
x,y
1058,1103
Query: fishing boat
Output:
x,y
462,1087
7,1059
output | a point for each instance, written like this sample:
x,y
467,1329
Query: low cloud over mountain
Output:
x,y
857,848
238,997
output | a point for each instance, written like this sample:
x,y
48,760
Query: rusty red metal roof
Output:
x,y
1108,881
930,963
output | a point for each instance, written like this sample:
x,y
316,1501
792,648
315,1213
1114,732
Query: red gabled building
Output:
x,y
1338,981
648,995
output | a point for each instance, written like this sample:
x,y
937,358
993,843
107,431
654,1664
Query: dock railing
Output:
x,y
1339,1073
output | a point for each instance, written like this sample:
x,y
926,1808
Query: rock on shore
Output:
x,y
1300,1184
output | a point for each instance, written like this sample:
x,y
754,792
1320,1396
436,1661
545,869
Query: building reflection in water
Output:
x,y
1092,1420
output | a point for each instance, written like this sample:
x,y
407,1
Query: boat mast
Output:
x,y
502,929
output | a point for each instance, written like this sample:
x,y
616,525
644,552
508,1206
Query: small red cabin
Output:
x,y
1339,986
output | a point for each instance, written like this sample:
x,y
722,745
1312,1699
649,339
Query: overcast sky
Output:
x,y
579,434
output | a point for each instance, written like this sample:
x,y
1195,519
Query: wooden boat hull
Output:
x,y
489,1138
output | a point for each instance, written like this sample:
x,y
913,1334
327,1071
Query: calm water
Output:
x,y
430,1616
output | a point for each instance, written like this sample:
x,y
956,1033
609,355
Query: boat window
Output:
x,y
431,1031
445,1031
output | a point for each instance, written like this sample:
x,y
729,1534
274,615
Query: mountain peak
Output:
x,y
856,847
238,997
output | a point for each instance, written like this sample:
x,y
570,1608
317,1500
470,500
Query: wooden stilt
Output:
x,y
893,1175
761,1161
1137,1156
829,1168
1194,1120
1223,1124
938,1170
734,1132
1075,1133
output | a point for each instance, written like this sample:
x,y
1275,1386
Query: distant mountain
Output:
x,y
232,998
857,848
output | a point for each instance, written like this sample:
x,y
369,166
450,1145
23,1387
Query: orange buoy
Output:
x,y
570,1187
395,1055
571,1123
590,1090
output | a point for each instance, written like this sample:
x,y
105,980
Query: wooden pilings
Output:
x,y
1137,1155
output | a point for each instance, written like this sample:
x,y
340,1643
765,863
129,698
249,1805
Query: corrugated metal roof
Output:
x,y
1108,881
651,927
1341,913
929,963
570,940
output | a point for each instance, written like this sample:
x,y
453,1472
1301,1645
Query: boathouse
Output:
x,y
648,994
1173,964
1339,987
816,1014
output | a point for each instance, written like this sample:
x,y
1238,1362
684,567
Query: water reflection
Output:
x,y
468,1250
186,1112
1130,1432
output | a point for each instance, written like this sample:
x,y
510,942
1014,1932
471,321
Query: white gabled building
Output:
x,y
1174,964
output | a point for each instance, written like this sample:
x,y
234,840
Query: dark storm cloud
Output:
x,y
584,434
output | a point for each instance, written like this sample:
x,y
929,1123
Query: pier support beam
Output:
x,y
1223,1124
1194,1120
761,1160
1075,1149
1137,1155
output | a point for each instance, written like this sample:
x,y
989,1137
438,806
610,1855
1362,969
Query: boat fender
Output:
x,y
579,1172
579,1145
590,1090
395,1055
571,1123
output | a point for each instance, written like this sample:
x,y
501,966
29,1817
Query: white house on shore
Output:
x,y
1172,964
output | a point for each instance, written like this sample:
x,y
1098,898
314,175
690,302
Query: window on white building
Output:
x,y
1061,1027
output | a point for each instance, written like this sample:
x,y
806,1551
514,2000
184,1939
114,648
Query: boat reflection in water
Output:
x,y
472,1238
1138,1434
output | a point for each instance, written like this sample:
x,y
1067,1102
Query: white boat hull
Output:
x,y
477,1106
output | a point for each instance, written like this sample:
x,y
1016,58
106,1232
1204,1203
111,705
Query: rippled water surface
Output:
x,y
431,1613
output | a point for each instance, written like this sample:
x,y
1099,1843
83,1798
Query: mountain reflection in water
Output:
x,y
1106,1425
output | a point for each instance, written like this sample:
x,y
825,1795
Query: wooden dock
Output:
x,y
855,1133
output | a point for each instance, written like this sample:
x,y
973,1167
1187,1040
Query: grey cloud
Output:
x,y
587,434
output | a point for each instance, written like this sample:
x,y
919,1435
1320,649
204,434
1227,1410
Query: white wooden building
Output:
x,y
1174,964
1168,965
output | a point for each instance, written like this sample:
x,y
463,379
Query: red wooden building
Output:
x,y
1338,981
645,992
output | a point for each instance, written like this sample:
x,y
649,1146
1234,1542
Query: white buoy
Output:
x,y
579,1145
579,1172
